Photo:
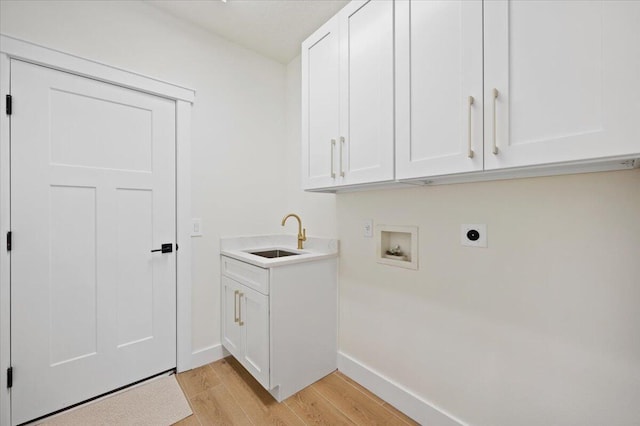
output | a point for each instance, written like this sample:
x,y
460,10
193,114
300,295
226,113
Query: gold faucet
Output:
x,y
302,233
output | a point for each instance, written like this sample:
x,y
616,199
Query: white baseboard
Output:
x,y
207,355
418,409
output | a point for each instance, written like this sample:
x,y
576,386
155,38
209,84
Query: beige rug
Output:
x,y
160,402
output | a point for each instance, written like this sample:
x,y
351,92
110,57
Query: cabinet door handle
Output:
x,y
240,322
469,150
495,143
235,306
333,145
341,149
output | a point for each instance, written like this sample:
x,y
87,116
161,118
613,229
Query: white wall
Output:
x,y
238,122
540,328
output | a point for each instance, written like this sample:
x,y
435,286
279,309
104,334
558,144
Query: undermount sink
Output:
x,y
273,251
270,254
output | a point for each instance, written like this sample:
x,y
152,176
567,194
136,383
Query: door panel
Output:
x,y
93,191
366,119
231,331
73,283
134,265
255,318
571,46
566,75
124,128
439,67
320,114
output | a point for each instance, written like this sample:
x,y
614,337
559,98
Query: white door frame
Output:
x,y
12,48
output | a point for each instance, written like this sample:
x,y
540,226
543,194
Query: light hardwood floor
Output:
x,y
224,393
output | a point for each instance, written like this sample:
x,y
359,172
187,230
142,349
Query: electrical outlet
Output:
x,y
473,235
367,228
196,227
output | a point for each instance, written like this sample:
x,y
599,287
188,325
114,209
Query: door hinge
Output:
x,y
9,377
9,104
9,240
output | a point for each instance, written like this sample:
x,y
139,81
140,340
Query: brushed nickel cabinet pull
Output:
x,y
469,150
495,143
333,145
341,149
240,322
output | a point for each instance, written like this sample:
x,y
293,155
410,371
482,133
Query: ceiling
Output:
x,y
273,28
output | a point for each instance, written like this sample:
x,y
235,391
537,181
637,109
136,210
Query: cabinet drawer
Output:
x,y
252,276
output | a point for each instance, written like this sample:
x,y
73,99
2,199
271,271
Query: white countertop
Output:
x,y
315,248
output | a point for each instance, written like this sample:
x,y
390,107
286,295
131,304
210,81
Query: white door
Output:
x,y
320,106
245,327
439,88
253,317
566,76
92,193
231,331
366,144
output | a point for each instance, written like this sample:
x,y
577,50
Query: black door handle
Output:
x,y
166,248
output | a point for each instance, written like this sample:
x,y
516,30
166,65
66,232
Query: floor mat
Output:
x,y
160,402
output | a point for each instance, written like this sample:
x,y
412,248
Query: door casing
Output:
x,y
12,48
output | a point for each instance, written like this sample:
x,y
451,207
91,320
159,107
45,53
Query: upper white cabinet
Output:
x,y
567,79
348,98
561,84
320,105
483,90
438,87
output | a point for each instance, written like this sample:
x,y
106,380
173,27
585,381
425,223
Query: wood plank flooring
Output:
x,y
224,393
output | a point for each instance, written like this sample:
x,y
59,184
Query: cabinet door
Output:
x,y
231,330
366,151
567,80
254,320
438,87
320,106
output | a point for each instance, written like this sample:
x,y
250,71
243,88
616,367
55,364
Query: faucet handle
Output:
x,y
304,234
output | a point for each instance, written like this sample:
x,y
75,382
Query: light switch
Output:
x,y
367,228
196,228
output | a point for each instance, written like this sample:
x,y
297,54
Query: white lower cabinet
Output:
x,y
246,328
280,323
